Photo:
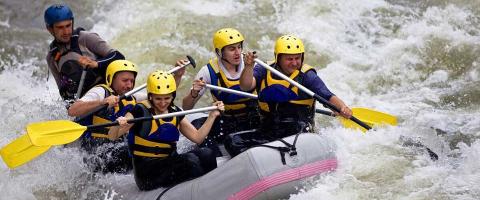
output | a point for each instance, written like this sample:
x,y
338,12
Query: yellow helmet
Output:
x,y
226,36
288,44
161,82
119,66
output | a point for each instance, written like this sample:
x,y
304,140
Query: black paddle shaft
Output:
x,y
115,123
333,107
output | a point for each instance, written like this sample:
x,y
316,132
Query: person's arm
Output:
x,y
247,80
197,90
53,69
192,98
99,47
116,132
179,73
91,100
103,62
197,136
344,109
315,83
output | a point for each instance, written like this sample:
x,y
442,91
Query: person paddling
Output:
x,y
72,50
107,155
110,154
153,144
224,70
285,109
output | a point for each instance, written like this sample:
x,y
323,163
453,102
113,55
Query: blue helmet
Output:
x,y
57,13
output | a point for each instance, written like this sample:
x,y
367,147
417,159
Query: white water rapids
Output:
x,y
416,60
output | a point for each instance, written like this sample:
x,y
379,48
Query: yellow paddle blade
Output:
x,y
21,151
54,132
371,117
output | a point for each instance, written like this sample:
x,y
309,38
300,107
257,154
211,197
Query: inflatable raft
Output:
x,y
258,173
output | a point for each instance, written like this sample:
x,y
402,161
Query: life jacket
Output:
x,y
70,69
155,138
234,104
108,115
282,102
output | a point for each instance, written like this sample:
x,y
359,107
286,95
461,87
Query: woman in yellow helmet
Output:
x,y
153,143
285,109
224,70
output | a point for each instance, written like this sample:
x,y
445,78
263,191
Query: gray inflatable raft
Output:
x,y
257,173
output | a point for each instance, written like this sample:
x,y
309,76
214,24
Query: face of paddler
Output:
x,y
232,53
160,102
62,31
123,82
289,63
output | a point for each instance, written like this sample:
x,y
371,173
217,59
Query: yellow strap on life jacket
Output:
x,y
104,86
140,141
143,142
221,77
99,120
305,68
263,106
154,126
271,81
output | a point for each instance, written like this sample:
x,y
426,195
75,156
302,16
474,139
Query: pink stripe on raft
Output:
x,y
285,177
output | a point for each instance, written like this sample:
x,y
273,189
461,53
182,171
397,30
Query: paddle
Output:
x,y
80,86
369,116
432,154
22,150
309,92
366,115
64,131
222,89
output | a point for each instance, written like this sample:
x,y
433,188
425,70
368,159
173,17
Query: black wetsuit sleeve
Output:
x,y
105,61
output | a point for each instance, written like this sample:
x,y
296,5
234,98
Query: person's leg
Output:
x,y
239,142
207,159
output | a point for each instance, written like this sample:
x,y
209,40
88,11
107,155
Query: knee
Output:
x,y
207,159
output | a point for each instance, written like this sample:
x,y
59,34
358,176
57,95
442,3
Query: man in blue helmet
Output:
x,y
73,50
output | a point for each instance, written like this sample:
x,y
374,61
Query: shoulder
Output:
x,y
307,68
310,76
96,93
175,108
203,69
87,36
309,71
204,73
84,33
141,109
258,69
